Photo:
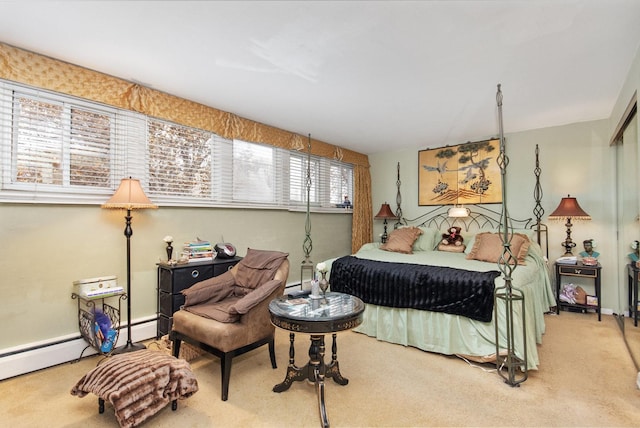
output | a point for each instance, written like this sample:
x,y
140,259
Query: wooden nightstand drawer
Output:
x,y
586,271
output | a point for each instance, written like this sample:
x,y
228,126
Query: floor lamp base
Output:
x,y
129,347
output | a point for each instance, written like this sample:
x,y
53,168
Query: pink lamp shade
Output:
x,y
385,214
569,209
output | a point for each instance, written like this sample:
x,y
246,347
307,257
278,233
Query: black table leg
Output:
x,y
316,360
315,370
293,372
333,368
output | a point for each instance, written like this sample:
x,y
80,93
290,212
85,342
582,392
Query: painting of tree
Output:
x,y
464,174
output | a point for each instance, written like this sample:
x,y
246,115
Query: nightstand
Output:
x,y
582,271
172,279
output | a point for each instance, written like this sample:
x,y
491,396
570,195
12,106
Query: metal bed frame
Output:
x,y
510,367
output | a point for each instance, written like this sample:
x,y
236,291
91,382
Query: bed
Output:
x,y
440,329
485,301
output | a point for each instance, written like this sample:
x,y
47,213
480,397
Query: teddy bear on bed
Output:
x,y
452,237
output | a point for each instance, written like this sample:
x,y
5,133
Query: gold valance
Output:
x,y
33,69
36,70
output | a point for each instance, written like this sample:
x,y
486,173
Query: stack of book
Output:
x,y
198,251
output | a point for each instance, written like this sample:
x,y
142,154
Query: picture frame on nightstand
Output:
x,y
592,300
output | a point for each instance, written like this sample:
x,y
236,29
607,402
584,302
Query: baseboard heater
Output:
x,y
41,355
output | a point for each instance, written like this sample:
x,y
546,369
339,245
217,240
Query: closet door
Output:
x,y
628,177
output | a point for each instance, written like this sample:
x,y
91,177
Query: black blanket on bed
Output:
x,y
404,285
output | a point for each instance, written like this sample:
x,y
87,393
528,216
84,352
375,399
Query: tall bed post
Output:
x,y
538,211
398,201
306,267
507,296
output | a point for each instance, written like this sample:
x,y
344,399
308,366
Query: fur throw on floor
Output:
x,y
138,384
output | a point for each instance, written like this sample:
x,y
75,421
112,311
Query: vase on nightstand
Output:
x,y
169,251
324,284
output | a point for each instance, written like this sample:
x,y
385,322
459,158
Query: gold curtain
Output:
x,y
40,71
362,229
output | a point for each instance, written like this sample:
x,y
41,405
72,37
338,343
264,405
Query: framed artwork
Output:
x,y
464,174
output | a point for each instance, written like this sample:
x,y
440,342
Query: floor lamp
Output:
x,y
129,196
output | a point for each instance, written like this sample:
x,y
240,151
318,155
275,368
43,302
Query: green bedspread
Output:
x,y
455,334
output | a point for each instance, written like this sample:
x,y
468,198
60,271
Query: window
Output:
x,y
55,145
341,182
56,148
180,160
254,173
298,179
331,181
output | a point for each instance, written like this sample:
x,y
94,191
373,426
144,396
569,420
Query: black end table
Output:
x,y
316,316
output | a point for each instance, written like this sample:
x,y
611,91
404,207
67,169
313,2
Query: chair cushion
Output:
x,y
250,300
258,267
213,289
219,311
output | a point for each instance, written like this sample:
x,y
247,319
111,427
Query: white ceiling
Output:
x,y
366,75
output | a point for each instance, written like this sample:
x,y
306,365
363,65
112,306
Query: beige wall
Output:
x,y
45,248
575,159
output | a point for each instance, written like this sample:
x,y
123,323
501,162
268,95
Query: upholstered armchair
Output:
x,y
228,315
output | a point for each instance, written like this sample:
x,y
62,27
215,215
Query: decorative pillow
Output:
x,y
451,248
401,240
488,247
427,241
531,233
471,239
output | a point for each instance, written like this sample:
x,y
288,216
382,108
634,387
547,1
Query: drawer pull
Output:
x,y
195,273
578,271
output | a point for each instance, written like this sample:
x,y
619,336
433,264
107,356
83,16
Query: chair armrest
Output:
x,y
210,290
249,301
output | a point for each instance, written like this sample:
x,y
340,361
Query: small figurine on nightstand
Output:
x,y
589,245
589,255
169,240
635,256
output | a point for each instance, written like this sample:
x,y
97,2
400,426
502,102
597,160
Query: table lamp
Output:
x,y
385,214
569,209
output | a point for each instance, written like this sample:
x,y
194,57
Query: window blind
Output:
x,y
180,160
57,148
60,149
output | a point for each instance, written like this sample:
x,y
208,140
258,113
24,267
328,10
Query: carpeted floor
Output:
x,y
586,378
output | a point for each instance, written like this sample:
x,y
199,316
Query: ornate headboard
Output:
x,y
480,217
